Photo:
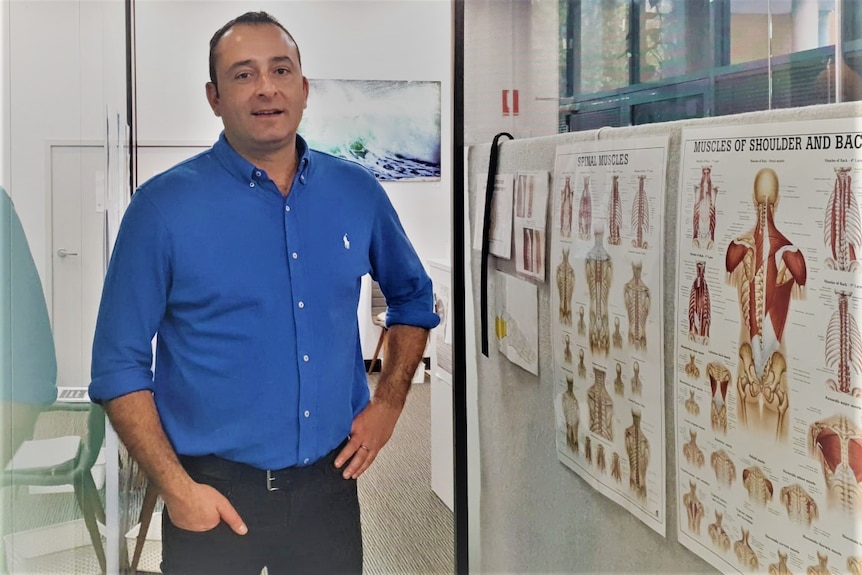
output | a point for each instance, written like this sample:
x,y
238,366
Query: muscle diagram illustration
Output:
x,y
637,387
565,288
717,534
637,300
599,268
601,464
703,223
640,216
566,207
582,325
637,449
757,485
588,449
844,346
691,405
691,368
528,249
585,212
601,406
619,384
837,443
692,453
571,414
781,567
744,553
567,348
699,306
842,229
800,506
723,467
854,565
582,368
616,473
719,380
821,568
693,508
618,337
615,213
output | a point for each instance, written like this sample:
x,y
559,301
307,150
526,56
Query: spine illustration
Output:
x,y
615,213
744,553
637,449
693,508
640,215
616,472
601,464
601,407
619,385
842,230
723,467
566,208
637,386
844,346
599,270
821,568
800,506
719,380
699,307
582,368
759,488
618,337
717,534
691,405
703,223
571,413
585,212
692,453
565,288
836,442
781,567
691,368
636,295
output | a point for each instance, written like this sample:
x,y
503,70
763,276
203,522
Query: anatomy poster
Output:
x,y
516,321
768,348
531,205
606,308
500,226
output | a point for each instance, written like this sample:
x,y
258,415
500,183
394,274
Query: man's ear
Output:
x,y
213,98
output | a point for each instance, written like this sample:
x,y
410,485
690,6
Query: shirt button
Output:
x,y
301,304
304,358
307,413
257,174
286,208
251,184
295,255
302,179
306,460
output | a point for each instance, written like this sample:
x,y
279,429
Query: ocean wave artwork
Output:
x,y
390,127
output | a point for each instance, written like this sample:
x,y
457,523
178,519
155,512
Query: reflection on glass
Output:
x,y
604,56
673,38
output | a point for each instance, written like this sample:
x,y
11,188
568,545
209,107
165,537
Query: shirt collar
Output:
x,y
245,170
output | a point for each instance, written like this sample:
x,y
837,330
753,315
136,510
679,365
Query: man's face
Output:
x,y
261,90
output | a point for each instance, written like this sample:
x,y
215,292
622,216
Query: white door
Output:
x,y
77,256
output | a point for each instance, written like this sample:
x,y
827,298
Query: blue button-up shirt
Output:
x,y
254,299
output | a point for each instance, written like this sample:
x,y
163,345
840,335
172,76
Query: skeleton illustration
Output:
x,y
637,299
599,268
699,307
619,385
582,369
637,388
691,368
801,507
844,346
588,449
571,413
842,231
615,467
691,405
693,508
640,215
615,212
820,568
759,488
722,465
744,553
528,250
600,457
780,568
566,206
704,211
692,453
854,565
530,184
767,270
837,443
618,337
717,534
582,326
585,212
719,379
565,287
637,449
601,406
567,349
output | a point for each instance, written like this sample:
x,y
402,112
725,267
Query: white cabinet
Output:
x,y
442,436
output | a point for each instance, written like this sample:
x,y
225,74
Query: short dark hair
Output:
x,y
255,18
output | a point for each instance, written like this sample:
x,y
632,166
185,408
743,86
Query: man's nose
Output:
x,y
265,85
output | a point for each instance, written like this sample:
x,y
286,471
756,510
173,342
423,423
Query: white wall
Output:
x,y
4,93
346,39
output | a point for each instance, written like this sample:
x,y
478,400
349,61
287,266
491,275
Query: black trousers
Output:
x,y
300,520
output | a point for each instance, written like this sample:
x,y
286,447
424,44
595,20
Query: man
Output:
x,y
246,261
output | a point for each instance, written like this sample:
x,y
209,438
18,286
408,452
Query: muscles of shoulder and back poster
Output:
x,y
606,309
768,348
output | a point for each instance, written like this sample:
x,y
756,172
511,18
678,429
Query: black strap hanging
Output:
x,y
486,231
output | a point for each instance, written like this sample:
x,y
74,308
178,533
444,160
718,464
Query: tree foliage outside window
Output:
x,y
604,54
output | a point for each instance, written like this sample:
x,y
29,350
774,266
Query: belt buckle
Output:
x,y
269,480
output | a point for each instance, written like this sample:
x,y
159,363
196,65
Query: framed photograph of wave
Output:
x,y
390,127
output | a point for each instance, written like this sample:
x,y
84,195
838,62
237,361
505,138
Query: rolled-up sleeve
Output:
x,y
133,304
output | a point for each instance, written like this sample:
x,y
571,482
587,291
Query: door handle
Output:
x,y
63,253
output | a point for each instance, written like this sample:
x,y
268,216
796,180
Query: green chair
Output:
x,y
72,468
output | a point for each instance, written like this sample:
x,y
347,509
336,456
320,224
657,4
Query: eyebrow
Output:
x,y
249,62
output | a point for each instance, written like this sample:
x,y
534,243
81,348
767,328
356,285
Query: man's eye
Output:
x,y
243,76
282,71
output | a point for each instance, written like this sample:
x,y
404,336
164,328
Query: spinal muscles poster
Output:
x,y
606,307
768,348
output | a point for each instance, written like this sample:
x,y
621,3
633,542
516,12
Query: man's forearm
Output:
x,y
136,421
405,347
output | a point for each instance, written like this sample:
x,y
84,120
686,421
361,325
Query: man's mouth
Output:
x,y
266,113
